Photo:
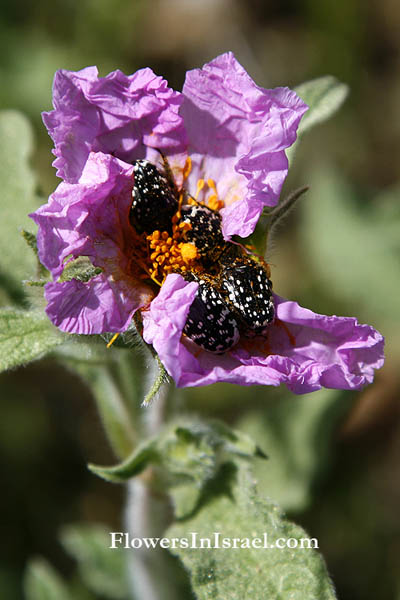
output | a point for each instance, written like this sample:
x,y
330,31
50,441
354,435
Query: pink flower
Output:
x,y
235,135
304,350
234,131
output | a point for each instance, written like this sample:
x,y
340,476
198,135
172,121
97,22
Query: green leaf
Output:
x,y
190,455
31,240
234,509
114,382
145,454
353,245
18,198
25,336
297,433
102,569
110,403
324,96
81,269
42,582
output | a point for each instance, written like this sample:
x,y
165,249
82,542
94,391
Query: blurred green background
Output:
x,y
334,457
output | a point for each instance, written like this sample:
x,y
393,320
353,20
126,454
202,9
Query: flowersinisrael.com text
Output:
x,y
216,540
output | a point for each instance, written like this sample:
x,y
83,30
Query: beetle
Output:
x,y
210,322
154,199
205,232
234,296
245,285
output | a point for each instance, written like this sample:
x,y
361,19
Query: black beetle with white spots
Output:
x,y
234,296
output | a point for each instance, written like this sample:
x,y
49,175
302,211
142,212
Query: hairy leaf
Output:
x,y
25,336
234,510
297,433
324,96
162,378
101,569
42,582
81,269
17,261
353,246
190,454
110,404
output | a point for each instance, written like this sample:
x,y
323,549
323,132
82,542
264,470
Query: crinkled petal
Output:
x,y
238,133
89,218
164,321
96,306
123,115
304,350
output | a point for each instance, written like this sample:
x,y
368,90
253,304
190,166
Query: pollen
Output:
x,y
170,253
189,252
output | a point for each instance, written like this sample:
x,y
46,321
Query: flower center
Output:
x,y
170,253
160,253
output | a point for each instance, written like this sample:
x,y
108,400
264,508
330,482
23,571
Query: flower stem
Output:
x,y
285,206
161,379
148,511
269,221
147,514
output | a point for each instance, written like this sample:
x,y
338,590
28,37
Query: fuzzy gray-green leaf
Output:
x,y
81,269
25,336
42,582
190,454
234,509
103,570
297,433
17,184
353,245
323,96
132,466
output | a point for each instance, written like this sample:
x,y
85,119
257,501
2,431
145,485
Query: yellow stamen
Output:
x,y
154,278
171,253
187,168
212,185
200,184
213,200
114,337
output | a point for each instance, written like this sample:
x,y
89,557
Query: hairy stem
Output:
x,y
269,221
147,511
159,380
285,206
